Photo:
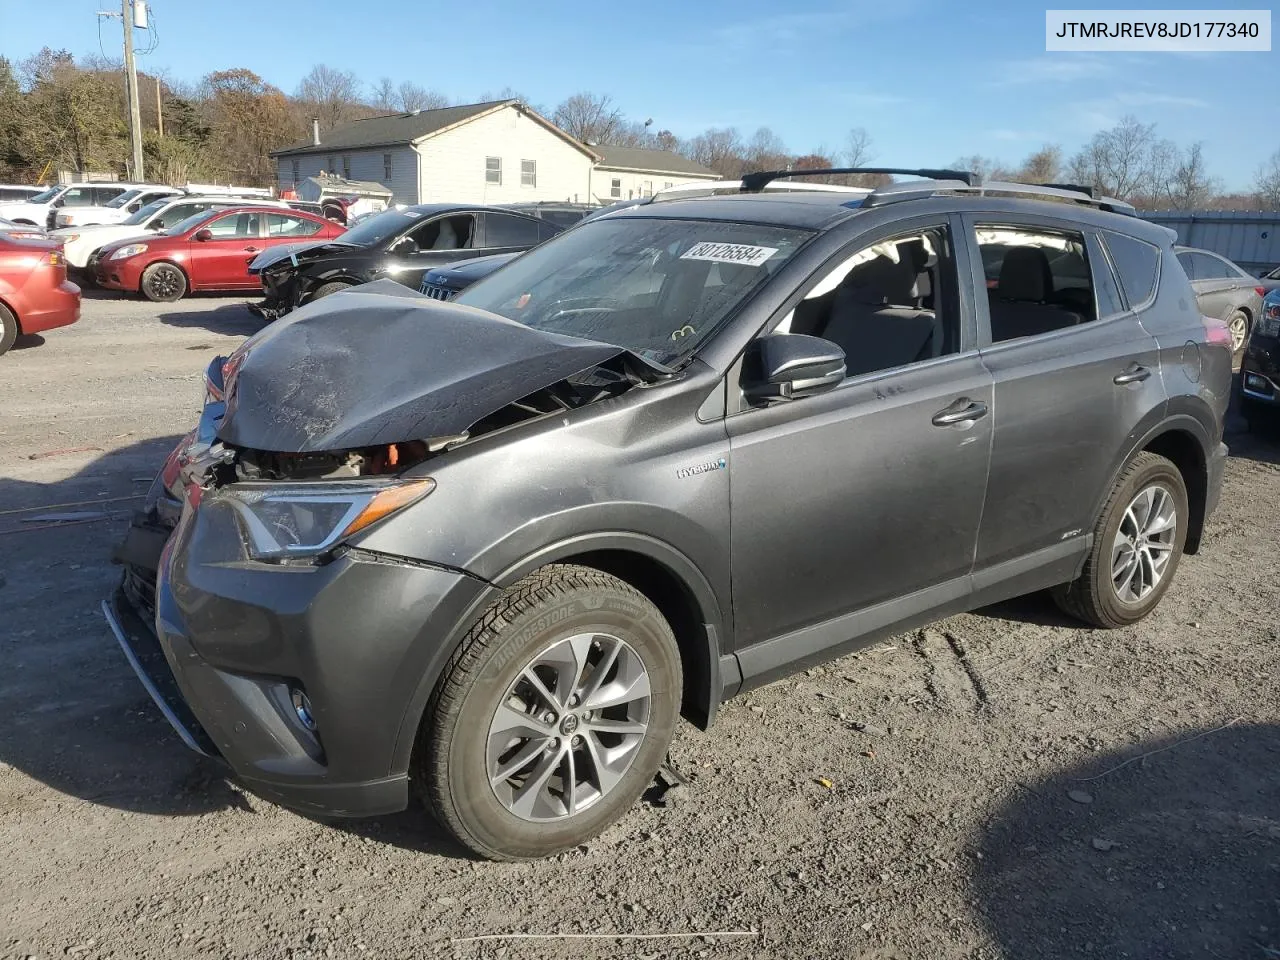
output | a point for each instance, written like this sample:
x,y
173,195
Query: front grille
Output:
x,y
437,292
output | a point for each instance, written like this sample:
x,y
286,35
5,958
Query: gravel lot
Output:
x,y
972,790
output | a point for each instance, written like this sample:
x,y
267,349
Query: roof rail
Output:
x,y
896,193
754,182
1087,191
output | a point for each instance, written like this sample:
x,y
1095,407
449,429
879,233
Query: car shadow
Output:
x,y
1035,608
28,340
232,319
76,717
1166,848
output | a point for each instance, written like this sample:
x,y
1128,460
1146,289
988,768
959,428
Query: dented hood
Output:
x,y
382,364
300,251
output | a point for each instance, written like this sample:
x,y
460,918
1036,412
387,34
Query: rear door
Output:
x,y
222,262
1075,374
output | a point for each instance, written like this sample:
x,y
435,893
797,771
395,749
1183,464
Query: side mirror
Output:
x,y
135,206
788,366
156,224
203,235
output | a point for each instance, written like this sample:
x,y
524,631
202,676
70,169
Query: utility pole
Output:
x,y
131,85
159,111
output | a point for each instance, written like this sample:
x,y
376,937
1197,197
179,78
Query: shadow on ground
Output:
x,y
1175,855
231,319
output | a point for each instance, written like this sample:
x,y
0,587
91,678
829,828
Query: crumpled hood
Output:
x,y
382,364
286,250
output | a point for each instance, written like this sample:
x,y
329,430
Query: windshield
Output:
x,y
45,196
656,287
123,199
182,226
143,215
373,231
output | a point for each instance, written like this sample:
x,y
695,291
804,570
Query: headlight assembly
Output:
x,y
131,250
307,521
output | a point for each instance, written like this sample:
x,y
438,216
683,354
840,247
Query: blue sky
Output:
x,y
931,80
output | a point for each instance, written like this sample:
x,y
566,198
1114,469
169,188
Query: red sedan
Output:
x,y
35,294
208,251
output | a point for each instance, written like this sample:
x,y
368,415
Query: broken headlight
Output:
x,y
307,521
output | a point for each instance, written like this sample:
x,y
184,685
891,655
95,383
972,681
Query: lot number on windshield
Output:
x,y
742,253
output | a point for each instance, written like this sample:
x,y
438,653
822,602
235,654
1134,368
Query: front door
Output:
x,y
1075,376
222,262
858,508
440,240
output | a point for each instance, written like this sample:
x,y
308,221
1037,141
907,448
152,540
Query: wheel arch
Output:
x,y
13,312
186,274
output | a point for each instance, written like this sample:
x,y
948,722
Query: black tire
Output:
x,y
163,283
327,288
9,329
1092,597
450,771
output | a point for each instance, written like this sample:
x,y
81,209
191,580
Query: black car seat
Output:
x,y
1021,303
875,319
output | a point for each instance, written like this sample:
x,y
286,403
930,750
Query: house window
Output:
x,y
386,166
615,187
332,167
528,173
295,171
346,168
648,189
666,185
493,170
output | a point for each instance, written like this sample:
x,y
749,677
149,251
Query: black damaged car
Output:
x,y
399,245
488,552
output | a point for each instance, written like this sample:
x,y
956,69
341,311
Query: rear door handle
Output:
x,y
1135,374
963,410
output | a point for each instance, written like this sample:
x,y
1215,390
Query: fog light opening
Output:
x,y
302,707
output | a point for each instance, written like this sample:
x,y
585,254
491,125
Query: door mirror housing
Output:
x,y
788,366
156,224
203,235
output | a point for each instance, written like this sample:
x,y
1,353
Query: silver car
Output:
x,y
1224,291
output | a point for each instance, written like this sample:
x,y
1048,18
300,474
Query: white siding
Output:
x,y
633,184
453,162
364,164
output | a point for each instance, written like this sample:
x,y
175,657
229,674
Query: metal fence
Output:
x,y
1249,238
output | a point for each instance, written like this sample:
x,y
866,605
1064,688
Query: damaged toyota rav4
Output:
x,y
486,553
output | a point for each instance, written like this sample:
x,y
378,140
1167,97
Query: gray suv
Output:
x,y
487,552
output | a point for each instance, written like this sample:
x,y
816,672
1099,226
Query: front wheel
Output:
x,y
552,716
163,283
326,289
1137,544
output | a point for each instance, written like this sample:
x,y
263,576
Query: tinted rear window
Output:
x,y
1138,264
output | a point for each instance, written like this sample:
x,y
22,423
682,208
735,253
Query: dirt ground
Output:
x,y
1005,784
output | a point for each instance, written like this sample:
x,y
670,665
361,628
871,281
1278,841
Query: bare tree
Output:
x,y
766,151
987,168
1267,183
412,97
384,94
1184,182
666,140
857,150
719,149
589,117
1042,166
332,95
1119,162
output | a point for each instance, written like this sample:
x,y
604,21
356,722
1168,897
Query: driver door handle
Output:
x,y
963,410
1135,374
250,249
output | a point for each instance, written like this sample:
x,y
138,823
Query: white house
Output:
x,y
497,152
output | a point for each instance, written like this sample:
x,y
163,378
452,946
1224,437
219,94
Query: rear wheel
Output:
x,y
8,328
1238,325
1137,544
327,288
552,716
163,283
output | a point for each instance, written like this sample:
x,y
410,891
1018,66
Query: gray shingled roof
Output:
x,y
659,161
387,130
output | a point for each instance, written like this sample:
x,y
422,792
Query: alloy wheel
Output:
x,y
1239,328
165,282
568,728
1143,546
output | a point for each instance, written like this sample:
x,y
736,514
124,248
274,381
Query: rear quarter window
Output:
x,y
1138,265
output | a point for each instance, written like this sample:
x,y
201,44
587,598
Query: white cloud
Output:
x,y
1062,68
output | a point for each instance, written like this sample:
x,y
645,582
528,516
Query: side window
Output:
x,y
177,213
493,170
77,197
1137,264
346,167
1038,280
443,233
528,173
1188,263
615,187
104,195
886,305
294,169
386,167
1211,268
1110,302
234,226
504,231
546,230
283,225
